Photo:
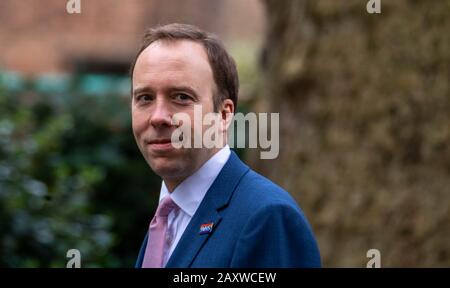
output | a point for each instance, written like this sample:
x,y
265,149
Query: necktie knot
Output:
x,y
165,207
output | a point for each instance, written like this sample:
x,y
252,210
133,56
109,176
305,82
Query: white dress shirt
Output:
x,y
188,195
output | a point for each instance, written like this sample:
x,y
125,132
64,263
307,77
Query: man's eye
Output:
x,y
183,97
144,98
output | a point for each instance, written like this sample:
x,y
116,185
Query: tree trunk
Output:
x,y
364,125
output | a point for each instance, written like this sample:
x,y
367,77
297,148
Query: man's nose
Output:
x,y
160,115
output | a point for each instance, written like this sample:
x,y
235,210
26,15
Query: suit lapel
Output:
x,y
191,241
217,197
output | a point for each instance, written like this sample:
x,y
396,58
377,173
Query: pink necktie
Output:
x,y
154,253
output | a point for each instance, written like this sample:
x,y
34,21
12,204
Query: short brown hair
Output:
x,y
222,64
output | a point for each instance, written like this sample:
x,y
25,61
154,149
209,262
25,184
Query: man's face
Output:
x,y
170,77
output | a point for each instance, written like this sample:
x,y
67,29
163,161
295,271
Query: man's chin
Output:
x,y
167,168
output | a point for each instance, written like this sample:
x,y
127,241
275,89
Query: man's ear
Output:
x,y
226,114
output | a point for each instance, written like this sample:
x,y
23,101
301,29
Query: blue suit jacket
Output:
x,y
256,224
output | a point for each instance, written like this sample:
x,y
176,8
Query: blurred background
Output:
x,y
364,123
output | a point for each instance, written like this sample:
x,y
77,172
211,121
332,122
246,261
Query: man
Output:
x,y
214,211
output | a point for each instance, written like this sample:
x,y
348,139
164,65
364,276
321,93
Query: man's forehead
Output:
x,y
187,51
174,58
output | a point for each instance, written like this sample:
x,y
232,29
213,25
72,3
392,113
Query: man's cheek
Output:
x,y
138,125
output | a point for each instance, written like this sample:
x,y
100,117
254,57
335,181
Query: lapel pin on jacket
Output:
x,y
206,228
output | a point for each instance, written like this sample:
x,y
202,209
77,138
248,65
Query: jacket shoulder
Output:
x,y
271,221
259,192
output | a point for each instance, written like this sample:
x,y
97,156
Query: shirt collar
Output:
x,y
189,194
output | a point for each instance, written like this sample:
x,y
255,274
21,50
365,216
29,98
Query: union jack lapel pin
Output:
x,y
206,228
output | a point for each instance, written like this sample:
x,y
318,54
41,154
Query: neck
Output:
x,y
172,183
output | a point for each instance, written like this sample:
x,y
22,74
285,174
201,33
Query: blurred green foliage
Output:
x,y
70,175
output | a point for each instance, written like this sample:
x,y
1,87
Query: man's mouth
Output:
x,y
162,144
160,141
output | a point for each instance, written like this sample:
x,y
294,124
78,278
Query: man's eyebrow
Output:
x,y
178,88
141,90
